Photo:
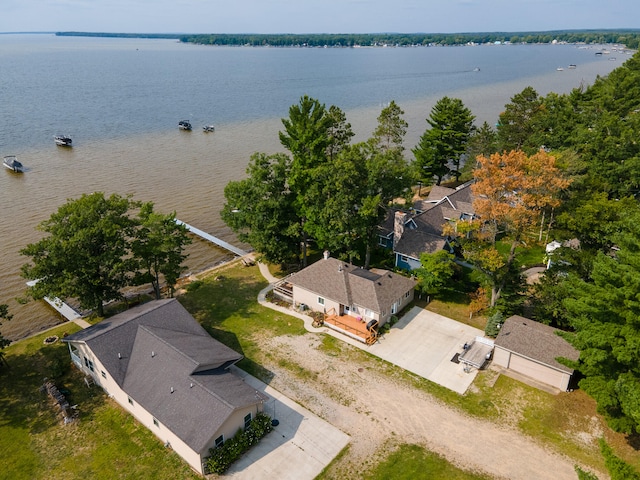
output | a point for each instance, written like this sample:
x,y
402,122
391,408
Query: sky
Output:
x,y
315,16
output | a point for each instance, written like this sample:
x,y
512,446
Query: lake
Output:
x,y
121,100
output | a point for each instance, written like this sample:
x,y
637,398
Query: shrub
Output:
x,y
221,458
494,322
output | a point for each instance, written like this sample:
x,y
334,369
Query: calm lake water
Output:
x,y
121,99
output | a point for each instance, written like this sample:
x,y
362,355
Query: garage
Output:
x,y
532,349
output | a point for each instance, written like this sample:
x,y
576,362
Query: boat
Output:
x,y
559,69
209,128
184,125
572,66
10,162
62,140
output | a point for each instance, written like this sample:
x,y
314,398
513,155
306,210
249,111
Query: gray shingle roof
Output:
x,y
162,347
427,237
417,243
536,341
438,192
350,285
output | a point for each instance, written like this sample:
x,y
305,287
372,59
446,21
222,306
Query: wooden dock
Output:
x,y
212,239
62,308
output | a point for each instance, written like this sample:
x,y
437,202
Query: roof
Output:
x,y
167,363
452,204
536,341
375,289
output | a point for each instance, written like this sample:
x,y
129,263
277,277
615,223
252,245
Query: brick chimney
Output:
x,y
398,226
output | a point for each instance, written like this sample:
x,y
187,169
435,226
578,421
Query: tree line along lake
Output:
x,y
120,99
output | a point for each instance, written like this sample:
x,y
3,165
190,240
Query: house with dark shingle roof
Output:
x,y
412,233
532,349
161,366
331,285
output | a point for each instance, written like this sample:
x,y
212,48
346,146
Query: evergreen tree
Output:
x,y
440,149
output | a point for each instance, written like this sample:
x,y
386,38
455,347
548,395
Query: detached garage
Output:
x,y
531,348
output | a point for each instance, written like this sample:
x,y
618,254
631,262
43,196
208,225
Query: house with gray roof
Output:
x,y
161,366
412,233
336,287
532,349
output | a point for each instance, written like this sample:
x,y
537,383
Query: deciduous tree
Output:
x,y
86,253
261,209
436,271
158,246
510,193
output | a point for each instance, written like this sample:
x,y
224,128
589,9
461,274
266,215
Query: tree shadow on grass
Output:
x,y
24,404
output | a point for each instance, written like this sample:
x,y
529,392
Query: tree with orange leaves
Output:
x,y
511,191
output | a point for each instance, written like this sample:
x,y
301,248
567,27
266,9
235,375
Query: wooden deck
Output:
x,y
351,326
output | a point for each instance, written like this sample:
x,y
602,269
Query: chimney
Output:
x,y
398,227
326,254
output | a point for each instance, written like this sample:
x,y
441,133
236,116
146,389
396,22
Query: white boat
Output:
x,y
184,125
10,162
559,69
62,140
209,128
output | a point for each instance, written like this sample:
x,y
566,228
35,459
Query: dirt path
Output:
x,y
373,409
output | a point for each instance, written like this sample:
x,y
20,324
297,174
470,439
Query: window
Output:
x,y
155,422
88,363
382,241
220,441
247,420
321,300
394,308
130,400
104,375
368,313
404,258
406,295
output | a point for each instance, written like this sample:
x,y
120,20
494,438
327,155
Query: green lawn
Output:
x,y
105,443
108,443
411,462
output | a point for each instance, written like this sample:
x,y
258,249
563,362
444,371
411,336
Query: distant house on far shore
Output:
x,y
161,366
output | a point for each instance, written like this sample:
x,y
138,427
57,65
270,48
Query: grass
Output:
x,y
225,304
409,462
106,442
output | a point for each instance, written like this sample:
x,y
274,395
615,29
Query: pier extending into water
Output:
x,y
212,239
70,313
62,308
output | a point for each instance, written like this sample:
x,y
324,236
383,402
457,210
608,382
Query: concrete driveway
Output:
x,y
424,343
299,448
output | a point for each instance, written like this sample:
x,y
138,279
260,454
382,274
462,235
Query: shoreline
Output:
x,y
206,271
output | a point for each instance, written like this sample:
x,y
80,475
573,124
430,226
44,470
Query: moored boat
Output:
x,y
209,128
63,140
184,125
10,162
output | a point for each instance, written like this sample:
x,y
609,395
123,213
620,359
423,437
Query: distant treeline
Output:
x,y
630,38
